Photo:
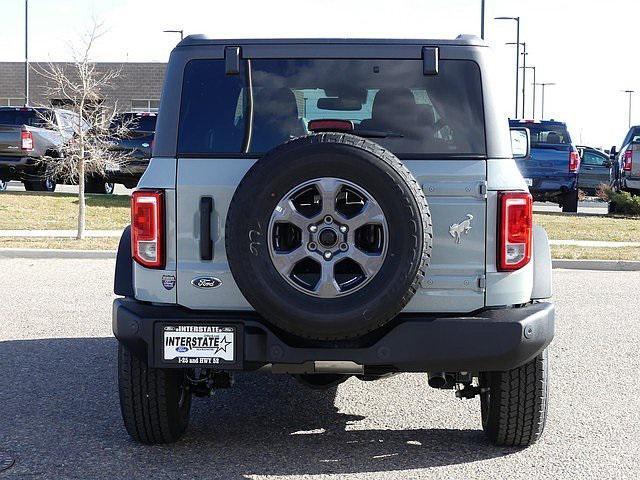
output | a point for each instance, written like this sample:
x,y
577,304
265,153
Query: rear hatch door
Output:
x,y
447,156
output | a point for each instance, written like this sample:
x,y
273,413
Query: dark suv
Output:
x,y
328,209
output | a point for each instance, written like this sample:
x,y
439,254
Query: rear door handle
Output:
x,y
206,244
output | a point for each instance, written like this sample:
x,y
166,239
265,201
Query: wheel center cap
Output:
x,y
328,238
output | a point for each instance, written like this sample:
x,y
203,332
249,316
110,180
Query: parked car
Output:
x,y
28,134
136,145
383,228
596,168
552,169
627,161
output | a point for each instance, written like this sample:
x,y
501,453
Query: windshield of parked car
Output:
x,y
21,116
138,122
410,113
546,133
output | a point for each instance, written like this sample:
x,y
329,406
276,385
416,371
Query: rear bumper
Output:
x,y
498,339
129,174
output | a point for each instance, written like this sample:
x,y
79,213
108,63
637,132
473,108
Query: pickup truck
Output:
x,y
627,161
551,171
136,145
26,135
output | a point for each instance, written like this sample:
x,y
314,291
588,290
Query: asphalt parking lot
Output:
x,y
60,413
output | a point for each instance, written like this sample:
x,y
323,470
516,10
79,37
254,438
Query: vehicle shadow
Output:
x,y
61,419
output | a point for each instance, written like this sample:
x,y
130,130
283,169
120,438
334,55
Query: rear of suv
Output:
x,y
551,170
328,209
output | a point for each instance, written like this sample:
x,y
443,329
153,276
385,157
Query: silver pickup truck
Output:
x,y
628,161
26,135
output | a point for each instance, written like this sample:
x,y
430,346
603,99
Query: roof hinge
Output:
x,y
232,60
430,58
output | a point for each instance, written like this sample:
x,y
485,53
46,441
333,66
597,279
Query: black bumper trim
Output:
x,y
498,339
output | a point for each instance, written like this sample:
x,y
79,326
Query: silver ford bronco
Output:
x,y
328,209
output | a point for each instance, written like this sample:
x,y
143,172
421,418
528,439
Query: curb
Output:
x,y
611,265
55,253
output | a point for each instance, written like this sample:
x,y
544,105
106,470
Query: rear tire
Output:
x,y
514,404
47,185
155,403
570,201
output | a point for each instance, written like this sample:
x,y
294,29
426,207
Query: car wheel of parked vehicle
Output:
x,y
155,403
514,403
99,186
570,201
47,185
3,185
328,236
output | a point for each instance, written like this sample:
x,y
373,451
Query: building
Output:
x,y
137,88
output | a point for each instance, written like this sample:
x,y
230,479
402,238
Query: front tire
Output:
x,y
99,186
155,403
514,403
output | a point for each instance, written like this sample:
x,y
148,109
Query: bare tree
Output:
x,y
82,88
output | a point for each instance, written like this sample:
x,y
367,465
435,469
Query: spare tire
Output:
x,y
328,236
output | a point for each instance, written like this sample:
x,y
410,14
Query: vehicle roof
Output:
x,y
461,40
541,122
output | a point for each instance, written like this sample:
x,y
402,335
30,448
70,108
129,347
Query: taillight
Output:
x,y
27,140
147,228
628,161
515,230
574,161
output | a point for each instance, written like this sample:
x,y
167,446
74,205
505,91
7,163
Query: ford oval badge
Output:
x,y
206,282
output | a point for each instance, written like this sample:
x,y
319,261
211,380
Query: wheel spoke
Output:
x,y
370,213
327,285
286,212
369,262
328,188
286,261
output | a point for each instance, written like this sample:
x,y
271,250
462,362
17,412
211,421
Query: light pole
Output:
x,y
629,92
181,32
26,52
517,42
534,89
524,74
482,19
543,84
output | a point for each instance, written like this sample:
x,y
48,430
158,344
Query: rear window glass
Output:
x,y
32,118
135,122
390,100
547,134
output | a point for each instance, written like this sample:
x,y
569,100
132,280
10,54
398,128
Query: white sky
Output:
x,y
586,47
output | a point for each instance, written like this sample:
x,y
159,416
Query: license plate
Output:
x,y
528,181
198,344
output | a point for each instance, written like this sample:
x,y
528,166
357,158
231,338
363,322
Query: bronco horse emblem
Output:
x,y
457,229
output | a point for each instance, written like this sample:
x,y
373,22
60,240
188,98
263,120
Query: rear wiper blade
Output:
x,y
377,134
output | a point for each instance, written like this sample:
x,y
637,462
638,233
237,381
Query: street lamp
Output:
x,y
517,20
543,84
524,74
26,52
629,92
181,32
534,88
482,19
